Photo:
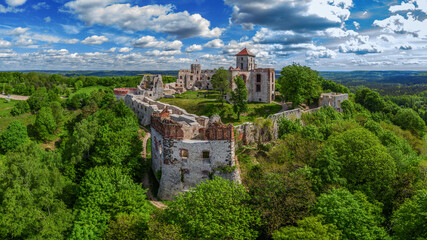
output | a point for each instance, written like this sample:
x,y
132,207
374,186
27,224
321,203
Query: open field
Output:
x,y
6,118
205,103
88,90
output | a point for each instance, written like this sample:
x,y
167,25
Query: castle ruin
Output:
x,y
260,82
187,149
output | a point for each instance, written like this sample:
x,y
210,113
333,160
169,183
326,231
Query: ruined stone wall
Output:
x,y
183,163
151,86
144,107
333,100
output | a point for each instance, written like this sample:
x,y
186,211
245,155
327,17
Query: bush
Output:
x,y
20,108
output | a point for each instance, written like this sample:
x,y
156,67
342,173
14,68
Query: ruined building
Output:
x,y
260,82
187,151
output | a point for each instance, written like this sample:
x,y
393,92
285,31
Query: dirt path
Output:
x,y
146,179
15,97
284,106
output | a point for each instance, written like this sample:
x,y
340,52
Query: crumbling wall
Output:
x,y
183,163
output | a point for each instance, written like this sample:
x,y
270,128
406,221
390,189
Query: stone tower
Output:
x,y
196,68
245,60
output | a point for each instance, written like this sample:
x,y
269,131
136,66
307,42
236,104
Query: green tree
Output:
x,y
20,108
239,97
78,85
370,100
364,163
309,228
45,124
39,99
13,136
409,221
105,194
353,214
32,194
57,111
221,83
410,120
282,199
78,148
160,229
216,209
126,227
299,84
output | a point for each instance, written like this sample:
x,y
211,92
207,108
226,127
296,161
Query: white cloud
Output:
x,y
15,3
405,20
70,41
24,41
47,19
340,33
356,25
95,40
194,48
18,31
400,24
125,50
323,53
71,29
360,45
267,36
158,18
111,50
152,42
402,7
40,5
216,43
4,43
163,53
295,15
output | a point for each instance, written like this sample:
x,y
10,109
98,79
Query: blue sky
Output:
x,y
337,35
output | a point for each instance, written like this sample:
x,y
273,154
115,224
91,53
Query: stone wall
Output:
x,y
184,157
151,86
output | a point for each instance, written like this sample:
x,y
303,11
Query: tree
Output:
x,y
409,221
353,214
45,124
105,194
364,163
310,228
410,120
160,229
370,100
39,99
13,136
78,85
282,199
239,97
20,108
216,209
32,195
299,84
57,111
220,82
126,227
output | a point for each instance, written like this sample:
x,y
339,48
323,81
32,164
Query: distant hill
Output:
x,y
105,73
359,77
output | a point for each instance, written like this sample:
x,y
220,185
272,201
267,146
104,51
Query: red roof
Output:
x,y
245,52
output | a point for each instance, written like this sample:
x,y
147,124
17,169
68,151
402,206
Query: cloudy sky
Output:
x,y
337,35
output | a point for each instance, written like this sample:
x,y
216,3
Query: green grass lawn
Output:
x,y
205,103
88,90
6,117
